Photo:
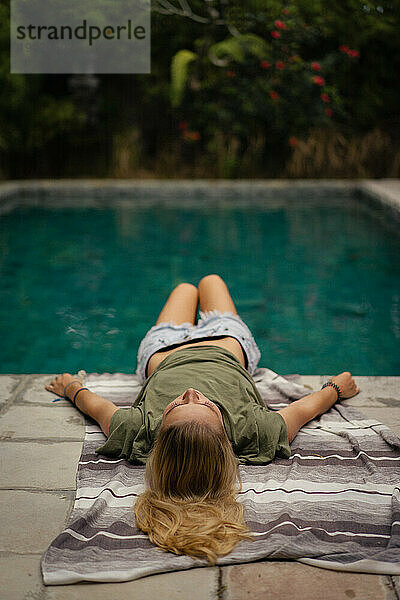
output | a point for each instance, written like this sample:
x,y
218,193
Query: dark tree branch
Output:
x,y
165,7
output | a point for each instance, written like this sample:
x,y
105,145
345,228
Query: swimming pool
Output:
x,y
317,282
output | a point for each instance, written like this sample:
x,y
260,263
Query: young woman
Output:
x,y
198,415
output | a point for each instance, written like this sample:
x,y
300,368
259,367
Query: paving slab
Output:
x,y
43,422
396,581
196,584
386,190
290,580
39,465
35,392
7,384
35,520
20,577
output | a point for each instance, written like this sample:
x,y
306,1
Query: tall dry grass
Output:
x,y
330,153
324,153
126,153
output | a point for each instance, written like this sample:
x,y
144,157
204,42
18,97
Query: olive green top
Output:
x,y
256,433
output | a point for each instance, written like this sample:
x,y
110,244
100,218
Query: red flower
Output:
x,y
280,65
315,66
318,80
348,51
274,95
231,74
275,34
285,11
293,141
280,24
183,125
325,98
329,112
264,64
191,135
353,53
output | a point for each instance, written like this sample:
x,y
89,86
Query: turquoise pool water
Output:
x,y
318,285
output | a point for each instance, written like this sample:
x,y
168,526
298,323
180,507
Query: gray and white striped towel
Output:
x,y
335,503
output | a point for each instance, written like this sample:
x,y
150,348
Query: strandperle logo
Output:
x,y
91,33
80,36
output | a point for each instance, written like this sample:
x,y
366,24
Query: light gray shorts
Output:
x,y
212,323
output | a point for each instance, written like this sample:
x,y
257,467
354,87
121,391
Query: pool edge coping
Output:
x,y
382,192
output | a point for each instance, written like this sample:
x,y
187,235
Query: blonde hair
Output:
x,y
189,504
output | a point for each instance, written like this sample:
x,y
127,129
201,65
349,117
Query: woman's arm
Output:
x,y
311,406
100,409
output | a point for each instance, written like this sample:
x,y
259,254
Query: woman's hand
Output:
x,y
346,383
89,403
59,383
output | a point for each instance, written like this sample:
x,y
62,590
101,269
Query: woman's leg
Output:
x,y
214,293
181,306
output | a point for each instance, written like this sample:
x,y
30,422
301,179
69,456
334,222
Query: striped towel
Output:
x,y
334,503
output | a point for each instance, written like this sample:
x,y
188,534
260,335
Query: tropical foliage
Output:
x,y
251,89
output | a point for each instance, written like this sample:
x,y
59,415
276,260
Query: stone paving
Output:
x,y
40,445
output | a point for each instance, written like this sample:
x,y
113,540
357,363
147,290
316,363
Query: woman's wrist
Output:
x,y
329,391
333,385
68,385
322,400
72,388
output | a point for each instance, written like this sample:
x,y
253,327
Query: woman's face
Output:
x,y
190,405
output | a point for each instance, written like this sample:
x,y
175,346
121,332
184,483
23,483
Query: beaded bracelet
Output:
x,y
77,392
334,385
70,383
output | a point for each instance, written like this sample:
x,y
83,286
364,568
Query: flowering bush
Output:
x,y
226,101
277,82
